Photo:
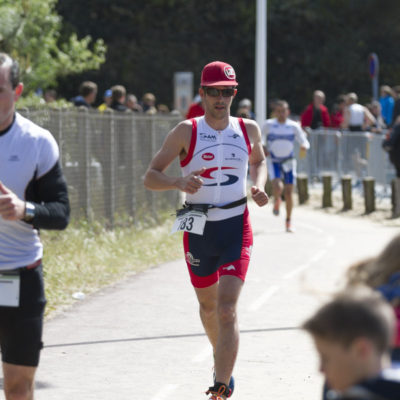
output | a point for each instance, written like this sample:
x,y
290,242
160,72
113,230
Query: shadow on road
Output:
x,y
188,335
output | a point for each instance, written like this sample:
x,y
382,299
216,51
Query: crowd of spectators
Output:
x,y
348,113
116,98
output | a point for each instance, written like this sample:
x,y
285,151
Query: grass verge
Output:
x,y
86,257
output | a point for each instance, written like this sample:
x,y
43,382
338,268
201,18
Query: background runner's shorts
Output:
x,y
21,327
276,171
223,249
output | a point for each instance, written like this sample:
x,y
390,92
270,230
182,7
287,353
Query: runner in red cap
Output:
x,y
215,151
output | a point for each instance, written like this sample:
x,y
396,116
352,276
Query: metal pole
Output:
x,y
261,61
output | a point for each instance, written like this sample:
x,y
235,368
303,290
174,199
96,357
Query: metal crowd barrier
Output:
x,y
342,152
104,157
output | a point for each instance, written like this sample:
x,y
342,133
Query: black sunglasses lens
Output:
x,y
213,92
227,92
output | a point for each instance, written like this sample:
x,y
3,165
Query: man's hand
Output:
x,y
11,207
259,196
191,183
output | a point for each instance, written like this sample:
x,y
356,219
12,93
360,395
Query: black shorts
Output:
x,y
223,249
21,327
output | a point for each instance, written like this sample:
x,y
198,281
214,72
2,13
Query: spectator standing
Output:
x,y
149,103
87,95
396,108
337,116
196,108
243,112
376,110
107,98
392,145
387,104
132,103
118,97
353,335
316,115
356,116
33,196
50,95
247,104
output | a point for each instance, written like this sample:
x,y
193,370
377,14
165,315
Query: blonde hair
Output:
x,y
376,271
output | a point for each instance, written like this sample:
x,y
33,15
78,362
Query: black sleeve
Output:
x,y
396,111
49,194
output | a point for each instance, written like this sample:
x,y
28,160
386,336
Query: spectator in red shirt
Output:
x,y
316,114
337,116
196,109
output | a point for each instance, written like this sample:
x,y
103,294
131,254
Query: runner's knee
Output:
x,y
208,308
227,313
19,390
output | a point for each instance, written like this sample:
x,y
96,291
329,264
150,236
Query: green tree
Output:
x,y
30,31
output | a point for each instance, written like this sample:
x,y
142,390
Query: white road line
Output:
x,y
303,267
203,355
310,227
263,298
165,391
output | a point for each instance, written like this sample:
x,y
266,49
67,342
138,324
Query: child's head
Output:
x,y
352,334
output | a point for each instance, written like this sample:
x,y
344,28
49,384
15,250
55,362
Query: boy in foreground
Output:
x,y
353,335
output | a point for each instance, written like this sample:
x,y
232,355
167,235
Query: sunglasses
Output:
x,y
213,92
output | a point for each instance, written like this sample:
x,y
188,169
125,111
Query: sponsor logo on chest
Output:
x,y
208,156
208,137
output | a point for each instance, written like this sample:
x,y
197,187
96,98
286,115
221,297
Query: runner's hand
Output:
x,y
259,196
11,207
191,183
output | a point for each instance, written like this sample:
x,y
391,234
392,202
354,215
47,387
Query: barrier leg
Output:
x,y
396,197
346,193
327,190
369,194
302,188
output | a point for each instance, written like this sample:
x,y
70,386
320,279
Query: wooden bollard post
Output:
x,y
302,187
346,192
369,194
396,197
327,190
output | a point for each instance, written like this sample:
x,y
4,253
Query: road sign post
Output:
x,y
373,69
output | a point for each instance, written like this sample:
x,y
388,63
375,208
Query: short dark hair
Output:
x,y
281,103
87,88
118,92
353,314
5,59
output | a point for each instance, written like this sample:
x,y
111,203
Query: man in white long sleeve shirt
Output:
x,y
279,135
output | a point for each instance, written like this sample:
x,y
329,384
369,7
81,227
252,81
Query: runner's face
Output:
x,y
281,112
218,107
8,97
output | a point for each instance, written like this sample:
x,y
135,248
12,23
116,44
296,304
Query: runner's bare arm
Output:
x,y
175,145
258,168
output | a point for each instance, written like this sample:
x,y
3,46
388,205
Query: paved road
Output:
x,y
142,339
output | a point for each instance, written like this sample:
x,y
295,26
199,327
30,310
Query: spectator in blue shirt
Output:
x,y
387,104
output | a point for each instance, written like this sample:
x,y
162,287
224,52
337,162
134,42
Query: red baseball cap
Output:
x,y
218,73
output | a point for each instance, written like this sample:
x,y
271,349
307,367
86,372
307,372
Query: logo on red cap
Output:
x,y
218,73
229,72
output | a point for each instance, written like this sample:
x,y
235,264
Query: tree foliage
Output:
x,y
312,44
30,31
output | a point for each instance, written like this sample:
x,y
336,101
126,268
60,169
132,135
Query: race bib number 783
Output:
x,y
191,221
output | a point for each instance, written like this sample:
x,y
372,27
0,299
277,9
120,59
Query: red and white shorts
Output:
x,y
223,249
